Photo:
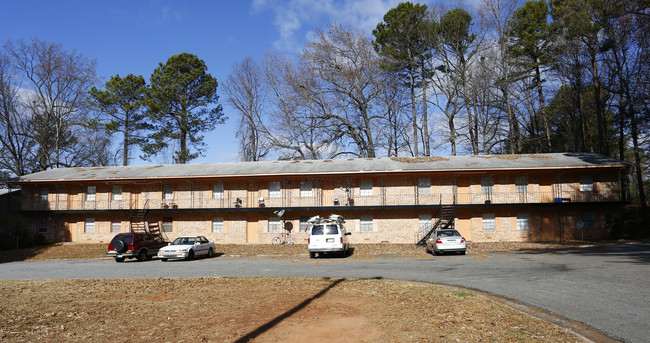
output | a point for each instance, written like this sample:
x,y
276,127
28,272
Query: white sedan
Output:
x,y
187,247
447,240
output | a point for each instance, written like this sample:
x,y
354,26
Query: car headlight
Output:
x,y
183,250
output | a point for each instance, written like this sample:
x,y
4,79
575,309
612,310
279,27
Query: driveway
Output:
x,y
604,287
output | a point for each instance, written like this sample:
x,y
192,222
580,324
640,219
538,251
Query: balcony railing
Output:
x,y
389,199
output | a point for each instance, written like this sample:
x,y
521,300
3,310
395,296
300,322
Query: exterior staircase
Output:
x,y
139,223
445,221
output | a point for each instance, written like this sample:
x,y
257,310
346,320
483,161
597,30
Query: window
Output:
x,y
366,223
523,221
90,225
589,220
487,185
274,189
43,193
586,184
90,193
424,186
168,192
305,188
304,223
168,224
42,225
217,224
521,184
117,193
217,190
366,187
424,222
116,226
489,222
274,224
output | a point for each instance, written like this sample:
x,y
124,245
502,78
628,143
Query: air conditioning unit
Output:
x,y
336,200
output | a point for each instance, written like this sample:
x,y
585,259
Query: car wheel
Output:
x,y
119,246
462,252
163,259
210,253
119,259
312,255
190,255
437,252
142,255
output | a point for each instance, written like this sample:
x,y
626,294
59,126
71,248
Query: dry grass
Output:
x,y
258,310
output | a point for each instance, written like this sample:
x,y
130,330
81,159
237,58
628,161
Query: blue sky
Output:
x,y
132,37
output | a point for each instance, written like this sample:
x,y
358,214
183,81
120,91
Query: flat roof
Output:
x,y
334,166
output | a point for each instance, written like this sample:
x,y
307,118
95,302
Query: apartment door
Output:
x,y
252,230
72,229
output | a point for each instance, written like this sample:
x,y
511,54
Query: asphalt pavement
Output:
x,y
604,287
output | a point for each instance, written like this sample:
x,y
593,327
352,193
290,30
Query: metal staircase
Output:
x,y
139,223
445,221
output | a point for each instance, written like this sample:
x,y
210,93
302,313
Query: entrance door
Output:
x,y
252,230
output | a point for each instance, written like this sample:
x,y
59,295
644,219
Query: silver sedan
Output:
x,y
442,241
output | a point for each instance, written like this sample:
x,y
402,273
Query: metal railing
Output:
x,y
387,199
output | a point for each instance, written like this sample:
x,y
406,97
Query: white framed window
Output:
x,y
116,226
586,183
424,221
523,221
521,184
274,189
589,220
217,224
424,186
217,190
116,193
305,188
89,226
366,223
489,222
168,192
275,225
304,223
487,185
91,193
168,224
366,187
42,225
43,194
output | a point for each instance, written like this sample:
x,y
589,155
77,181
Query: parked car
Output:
x,y
142,246
327,236
187,247
442,241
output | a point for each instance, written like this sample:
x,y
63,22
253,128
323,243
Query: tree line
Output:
x,y
513,78
52,115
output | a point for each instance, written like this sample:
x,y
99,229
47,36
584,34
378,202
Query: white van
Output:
x,y
327,236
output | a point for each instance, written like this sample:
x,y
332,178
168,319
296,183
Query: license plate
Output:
x,y
330,240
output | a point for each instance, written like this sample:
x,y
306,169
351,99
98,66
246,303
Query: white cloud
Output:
x,y
296,20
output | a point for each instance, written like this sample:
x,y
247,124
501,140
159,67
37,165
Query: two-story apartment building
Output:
x,y
491,198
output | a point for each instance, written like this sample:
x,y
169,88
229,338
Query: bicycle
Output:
x,y
284,238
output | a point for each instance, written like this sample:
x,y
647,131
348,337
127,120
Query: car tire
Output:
x,y
119,246
142,255
462,252
210,253
312,255
119,259
163,259
190,255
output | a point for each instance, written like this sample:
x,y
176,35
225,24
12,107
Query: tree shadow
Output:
x,y
275,321
22,254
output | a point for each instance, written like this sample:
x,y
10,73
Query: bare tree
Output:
x,y
58,83
246,93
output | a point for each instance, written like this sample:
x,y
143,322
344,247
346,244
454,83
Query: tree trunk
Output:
x,y
542,108
425,119
415,122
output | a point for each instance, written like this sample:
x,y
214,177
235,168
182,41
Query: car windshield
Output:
x,y
184,241
325,229
448,233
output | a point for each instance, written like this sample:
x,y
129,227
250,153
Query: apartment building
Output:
x,y
560,196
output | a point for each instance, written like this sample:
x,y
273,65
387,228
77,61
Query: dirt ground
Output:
x,y
258,310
